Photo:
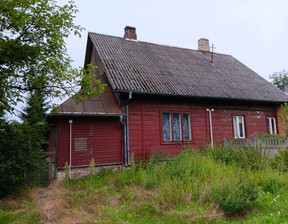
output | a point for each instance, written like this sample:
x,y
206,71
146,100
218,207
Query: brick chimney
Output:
x,y
203,45
130,33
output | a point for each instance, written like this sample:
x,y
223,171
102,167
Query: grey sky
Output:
x,y
253,31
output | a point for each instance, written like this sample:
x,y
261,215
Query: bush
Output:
x,y
20,154
247,158
236,198
280,161
272,182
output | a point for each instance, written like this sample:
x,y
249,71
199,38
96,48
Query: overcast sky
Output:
x,y
253,31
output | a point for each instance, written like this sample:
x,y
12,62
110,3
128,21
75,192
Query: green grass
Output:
x,y
18,208
213,186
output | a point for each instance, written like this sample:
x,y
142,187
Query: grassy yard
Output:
x,y
214,186
19,208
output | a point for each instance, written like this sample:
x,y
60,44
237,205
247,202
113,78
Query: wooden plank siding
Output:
x,y
104,141
145,120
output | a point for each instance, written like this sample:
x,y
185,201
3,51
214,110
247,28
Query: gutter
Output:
x,y
77,114
200,97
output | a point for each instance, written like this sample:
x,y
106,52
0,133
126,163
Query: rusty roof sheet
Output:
x,y
149,68
105,104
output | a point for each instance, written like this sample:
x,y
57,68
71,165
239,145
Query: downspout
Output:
x,y
127,127
56,151
210,122
70,148
125,137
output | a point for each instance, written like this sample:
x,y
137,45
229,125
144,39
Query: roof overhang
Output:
x,y
199,97
80,114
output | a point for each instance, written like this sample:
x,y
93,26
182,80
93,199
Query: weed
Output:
x,y
235,198
67,172
91,167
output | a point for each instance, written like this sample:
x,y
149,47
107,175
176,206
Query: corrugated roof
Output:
x,y
151,68
104,105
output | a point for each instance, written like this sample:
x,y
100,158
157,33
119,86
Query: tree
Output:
x,y
36,108
34,60
34,55
279,78
20,153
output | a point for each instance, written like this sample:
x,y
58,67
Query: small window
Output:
x,y
239,129
167,127
80,144
176,127
272,125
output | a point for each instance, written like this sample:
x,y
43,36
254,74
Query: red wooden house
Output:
x,y
160,98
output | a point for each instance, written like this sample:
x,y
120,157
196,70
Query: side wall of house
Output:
x,y
98,138
145,119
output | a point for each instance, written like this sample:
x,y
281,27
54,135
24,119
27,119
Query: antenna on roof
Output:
x,y
212,52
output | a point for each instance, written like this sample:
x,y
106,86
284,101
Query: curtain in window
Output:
x,y
239,129
167,127
177,127
186,127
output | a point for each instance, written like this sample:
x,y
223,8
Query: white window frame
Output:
x,y
272,125
236,126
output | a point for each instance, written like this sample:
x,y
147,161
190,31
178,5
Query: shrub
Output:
x,y
20,153
280,161
236,198
272,183
247,158
223,154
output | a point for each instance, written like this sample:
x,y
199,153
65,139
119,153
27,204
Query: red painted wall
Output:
x,y
104,141
105,135
145,118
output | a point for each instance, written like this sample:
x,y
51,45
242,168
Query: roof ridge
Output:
x,y
162,45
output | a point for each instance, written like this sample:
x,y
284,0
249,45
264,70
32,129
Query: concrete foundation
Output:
x,y
79,172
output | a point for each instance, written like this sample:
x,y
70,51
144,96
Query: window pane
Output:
x,y
177,127
186,127
235,127
239,129
272,125
166,127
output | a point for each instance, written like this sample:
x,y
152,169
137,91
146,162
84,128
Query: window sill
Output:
x,y
176,142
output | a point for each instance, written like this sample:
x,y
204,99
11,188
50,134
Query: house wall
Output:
x,y
104,141
145,119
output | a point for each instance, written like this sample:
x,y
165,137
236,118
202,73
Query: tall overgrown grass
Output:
x,y
216,183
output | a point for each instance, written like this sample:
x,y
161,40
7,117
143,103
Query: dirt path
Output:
x,y
52,207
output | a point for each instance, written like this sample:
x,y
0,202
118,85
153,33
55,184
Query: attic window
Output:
x,y
80,144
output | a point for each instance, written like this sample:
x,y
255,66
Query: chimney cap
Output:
x,y
130,28
130,32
